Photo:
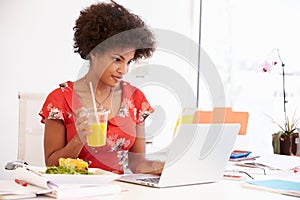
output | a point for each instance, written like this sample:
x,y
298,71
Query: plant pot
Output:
x,y
288,144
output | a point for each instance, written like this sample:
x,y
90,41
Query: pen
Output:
x,y
21,182
33,171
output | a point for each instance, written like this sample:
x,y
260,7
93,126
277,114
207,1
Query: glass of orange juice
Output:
x,y
98,125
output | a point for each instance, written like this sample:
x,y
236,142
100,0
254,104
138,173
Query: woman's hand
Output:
x,y
82,123
150,167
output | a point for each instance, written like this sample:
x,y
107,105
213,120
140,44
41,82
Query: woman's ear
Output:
x,y
91,55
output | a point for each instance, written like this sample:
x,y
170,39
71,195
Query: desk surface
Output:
x,y
224,189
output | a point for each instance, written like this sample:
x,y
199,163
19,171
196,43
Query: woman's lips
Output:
x,y
117,78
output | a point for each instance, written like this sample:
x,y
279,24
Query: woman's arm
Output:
x,y
137,162
55,143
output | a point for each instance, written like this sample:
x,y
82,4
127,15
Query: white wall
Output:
x,y
239,35
36,55
36,52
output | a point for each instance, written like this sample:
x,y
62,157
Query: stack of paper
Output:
x,y
41,185
11,190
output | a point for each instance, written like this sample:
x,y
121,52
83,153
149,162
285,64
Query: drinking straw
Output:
x,y
94,101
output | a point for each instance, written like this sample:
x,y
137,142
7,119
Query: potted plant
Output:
x,y
286,140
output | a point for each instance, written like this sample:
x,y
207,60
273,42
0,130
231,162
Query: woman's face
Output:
x,y
111,66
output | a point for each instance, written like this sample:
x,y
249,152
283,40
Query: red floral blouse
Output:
x,y
121,130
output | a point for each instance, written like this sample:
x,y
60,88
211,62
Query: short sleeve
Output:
x,y
143,107
55,106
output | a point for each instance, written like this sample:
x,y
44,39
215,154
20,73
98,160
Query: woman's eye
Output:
x,y
130,62
116,59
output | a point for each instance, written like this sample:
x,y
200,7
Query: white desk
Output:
x,y
225,189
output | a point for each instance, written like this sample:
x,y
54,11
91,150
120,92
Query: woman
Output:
x,y
110,38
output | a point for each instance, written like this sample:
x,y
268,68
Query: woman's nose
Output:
x,y
123,69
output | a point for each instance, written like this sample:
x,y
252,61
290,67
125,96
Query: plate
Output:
x,y
99,177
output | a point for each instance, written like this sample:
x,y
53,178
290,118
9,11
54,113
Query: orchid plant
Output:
x,y
289,126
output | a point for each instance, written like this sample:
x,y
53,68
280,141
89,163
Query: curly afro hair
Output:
x,y
105,26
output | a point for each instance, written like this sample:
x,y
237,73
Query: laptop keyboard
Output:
x,y
150,180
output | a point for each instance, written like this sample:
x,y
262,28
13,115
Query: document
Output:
x,y
28,183
17,196
281,186
11,190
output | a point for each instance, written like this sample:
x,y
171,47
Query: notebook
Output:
x,y
198,154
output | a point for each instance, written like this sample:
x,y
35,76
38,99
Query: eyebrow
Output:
x,y
122,57
119,56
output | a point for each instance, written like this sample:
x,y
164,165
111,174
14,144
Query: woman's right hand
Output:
x,y
82,123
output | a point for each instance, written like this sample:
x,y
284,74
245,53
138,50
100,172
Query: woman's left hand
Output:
x,y
150,167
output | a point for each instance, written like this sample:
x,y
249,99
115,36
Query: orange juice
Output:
x,y
98,137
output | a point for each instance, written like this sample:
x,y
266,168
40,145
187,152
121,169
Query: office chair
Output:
x,y
223,115
31,130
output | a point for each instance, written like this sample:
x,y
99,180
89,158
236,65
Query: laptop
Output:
x,y
198,154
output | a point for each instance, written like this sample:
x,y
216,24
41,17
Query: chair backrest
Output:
x,y
223,115
31,130
186,117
